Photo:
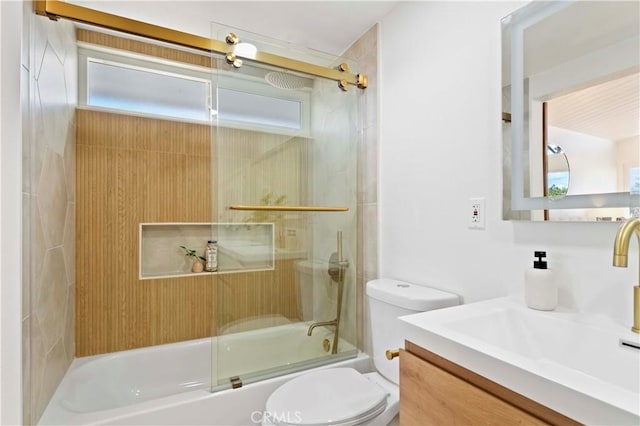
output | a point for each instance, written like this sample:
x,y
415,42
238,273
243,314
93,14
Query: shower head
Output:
x,y
283,80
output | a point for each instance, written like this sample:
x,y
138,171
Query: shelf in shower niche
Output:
x,y
180,275
242,247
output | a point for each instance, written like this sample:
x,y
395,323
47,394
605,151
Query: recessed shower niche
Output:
x,y
242,247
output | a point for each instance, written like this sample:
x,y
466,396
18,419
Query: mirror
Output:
x,y
558,173
571,82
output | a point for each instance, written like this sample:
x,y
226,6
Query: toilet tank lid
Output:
x,y
410,296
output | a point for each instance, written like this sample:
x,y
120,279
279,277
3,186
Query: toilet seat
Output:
x,y
335,396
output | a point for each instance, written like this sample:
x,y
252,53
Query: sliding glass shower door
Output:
x,y
285,158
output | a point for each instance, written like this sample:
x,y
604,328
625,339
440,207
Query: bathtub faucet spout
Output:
x,y
321,324
337,267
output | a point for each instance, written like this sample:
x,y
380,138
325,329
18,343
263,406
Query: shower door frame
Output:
x,y
55,9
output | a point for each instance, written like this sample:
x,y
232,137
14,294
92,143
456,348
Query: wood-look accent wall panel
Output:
x,y
132,170
96,172
254,294
150,49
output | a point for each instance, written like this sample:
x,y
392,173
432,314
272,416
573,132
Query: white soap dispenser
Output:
x,y
540,289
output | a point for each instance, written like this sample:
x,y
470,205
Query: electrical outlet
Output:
x,y
476,213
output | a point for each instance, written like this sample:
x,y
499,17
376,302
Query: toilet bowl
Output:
x,y
343,396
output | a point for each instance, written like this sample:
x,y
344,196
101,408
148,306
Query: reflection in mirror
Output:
x,y
571,80
557,172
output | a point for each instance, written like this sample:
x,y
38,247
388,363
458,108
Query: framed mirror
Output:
x,y
571,83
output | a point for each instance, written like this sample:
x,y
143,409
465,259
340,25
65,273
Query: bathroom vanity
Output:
x,y
498,362
434,390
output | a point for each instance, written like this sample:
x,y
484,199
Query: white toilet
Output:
x,y
316,297
343,396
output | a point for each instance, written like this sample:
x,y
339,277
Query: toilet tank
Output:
x,y
305,270
316,297
389,299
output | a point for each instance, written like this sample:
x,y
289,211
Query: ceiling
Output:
x,y
578,29
609,110
327,26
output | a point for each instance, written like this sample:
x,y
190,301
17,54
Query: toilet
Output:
x,y
316,298
343,396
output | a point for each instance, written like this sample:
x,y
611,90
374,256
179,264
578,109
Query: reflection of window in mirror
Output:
x,y
634,180
555,166
597,128
557,184
634,188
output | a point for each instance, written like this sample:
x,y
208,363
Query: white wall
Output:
x,y
10,212
627,157
592,161
440,144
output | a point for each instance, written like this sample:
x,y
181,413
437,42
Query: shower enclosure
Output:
x,y
268,170
285,155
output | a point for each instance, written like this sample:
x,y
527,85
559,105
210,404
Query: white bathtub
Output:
x,y
170,384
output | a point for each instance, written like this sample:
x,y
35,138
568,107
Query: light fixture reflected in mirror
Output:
x,y
554,149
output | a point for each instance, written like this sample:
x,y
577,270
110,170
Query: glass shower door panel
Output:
x,y
283,141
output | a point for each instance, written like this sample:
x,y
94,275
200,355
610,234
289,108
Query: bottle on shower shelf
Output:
x,y
211,256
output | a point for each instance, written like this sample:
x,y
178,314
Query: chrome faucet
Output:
x,y
620,254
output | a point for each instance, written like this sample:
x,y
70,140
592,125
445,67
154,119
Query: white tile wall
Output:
x,y
49,210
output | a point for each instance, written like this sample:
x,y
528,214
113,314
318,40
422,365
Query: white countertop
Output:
x,y
570,362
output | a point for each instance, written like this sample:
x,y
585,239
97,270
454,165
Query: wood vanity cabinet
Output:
x,y
436,391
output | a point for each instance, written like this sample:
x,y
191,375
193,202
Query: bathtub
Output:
x,y
170,384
